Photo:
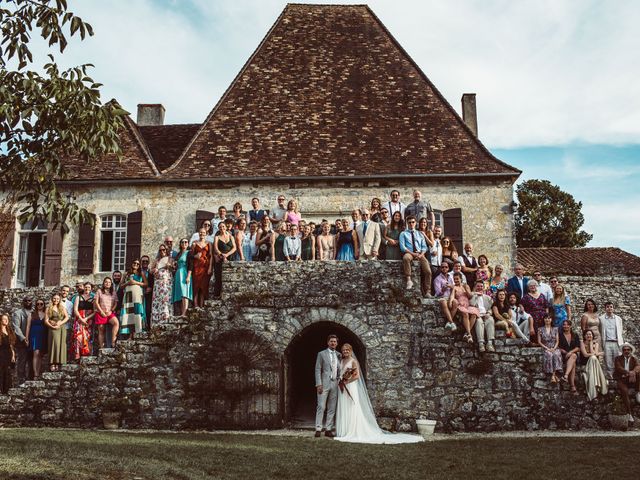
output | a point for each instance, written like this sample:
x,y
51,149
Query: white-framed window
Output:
x,y
439,219
113,242
32,244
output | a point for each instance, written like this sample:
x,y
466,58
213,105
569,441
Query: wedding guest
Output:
x,y
105,302
356,218
223,248
55,318
521,321
461,294
434,242
148,291
37,335
385,218
457,268
420,209
369,237
414,247
611,335
518,283
263,240
182,284
7,353
374,210
498,280
83,312
277,243
133,313
249,247
293,215
238,212
336,227
116,277
326,243
627,374
535,304
449,251
256,214
239,237
549,340
544,289
484,273
19,322
569,344
392,237
442,289
279,211
206,224
469,263
502,312
292,248
308,244
162,271
485,326
594,378
423,228
202,254
215,222
65,290
394,204
590,320
346,243
561,306
168,241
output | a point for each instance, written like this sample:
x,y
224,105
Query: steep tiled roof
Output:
x,y
579,261
167,142
136,162
329,92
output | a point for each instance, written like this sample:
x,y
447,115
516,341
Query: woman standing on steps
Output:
x,y
81,341
7,353
549,340
162,268
223,247
202,254
37,335
105,304
55,318
182,285
133,299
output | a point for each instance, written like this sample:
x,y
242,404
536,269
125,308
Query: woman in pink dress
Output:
x,y
292,214
462,293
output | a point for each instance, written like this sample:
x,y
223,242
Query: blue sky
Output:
x,y
556,80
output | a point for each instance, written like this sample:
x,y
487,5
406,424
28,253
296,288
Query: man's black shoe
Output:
x,y
329,434
317,434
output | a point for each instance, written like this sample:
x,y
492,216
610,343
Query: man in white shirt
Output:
x,y
279,211
485,324
222,216
544,288
394,204
369,237
356,218
436,252
611,334
292,247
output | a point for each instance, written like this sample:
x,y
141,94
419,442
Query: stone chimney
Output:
x,y
150,114
469,114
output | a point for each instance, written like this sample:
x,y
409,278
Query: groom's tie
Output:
x,y
333,364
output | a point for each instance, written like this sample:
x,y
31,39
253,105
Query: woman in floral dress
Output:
x,y
83,309
162,271
549,340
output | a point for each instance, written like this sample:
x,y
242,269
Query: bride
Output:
x,y
355,420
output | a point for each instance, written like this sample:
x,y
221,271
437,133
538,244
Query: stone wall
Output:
x,y
171,210
230,365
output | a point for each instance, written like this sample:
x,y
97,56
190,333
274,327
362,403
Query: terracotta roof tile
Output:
x,y
329,92
167,142
579,261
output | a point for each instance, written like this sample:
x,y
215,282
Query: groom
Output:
x,y
327,367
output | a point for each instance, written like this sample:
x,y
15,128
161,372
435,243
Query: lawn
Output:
x,y
61,454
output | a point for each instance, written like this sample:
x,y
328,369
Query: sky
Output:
x,y
557,84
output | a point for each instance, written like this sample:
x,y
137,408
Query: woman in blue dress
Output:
x,y
346,243
561,306
38,336
182,287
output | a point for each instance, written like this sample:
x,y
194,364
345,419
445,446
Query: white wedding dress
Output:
x,y
355,420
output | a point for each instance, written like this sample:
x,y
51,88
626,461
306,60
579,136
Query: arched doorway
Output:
x,y
300,361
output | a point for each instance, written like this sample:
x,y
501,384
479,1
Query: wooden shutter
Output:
x,y
53,257
134,237
201,216
453,227
86,247
7,236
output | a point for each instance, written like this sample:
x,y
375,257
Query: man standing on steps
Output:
x,y
327,370
19,325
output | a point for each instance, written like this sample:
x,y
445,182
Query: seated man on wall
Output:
x,y
627,373
485,325
442,285
413,246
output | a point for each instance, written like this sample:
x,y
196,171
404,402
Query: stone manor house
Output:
x,y
329,110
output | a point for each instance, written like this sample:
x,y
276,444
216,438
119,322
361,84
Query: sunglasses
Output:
x,y
185,241
411,222
135,263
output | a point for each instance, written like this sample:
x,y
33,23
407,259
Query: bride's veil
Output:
x,y
365,402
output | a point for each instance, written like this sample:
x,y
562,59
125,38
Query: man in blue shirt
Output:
x,y
414,247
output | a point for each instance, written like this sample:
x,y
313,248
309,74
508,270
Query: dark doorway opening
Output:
x,y
300,361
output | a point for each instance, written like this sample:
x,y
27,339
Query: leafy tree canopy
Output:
x,y
47,115
548,217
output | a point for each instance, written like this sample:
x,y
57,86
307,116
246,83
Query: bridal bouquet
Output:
x,y
346,376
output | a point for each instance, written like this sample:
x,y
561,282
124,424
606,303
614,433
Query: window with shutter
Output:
x,y
86,247
113,242
134,237
53,257
452,228
7,238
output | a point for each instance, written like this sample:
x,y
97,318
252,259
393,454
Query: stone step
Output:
x,y
52,376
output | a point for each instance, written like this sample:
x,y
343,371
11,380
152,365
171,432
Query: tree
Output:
x,y
49,116
548,217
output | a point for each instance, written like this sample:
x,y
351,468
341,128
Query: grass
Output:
x,y
61,454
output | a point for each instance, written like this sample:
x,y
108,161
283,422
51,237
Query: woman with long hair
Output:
x,y
263,240
37,335
498,280
162,271
549,340
277,243
55,318
590,320
292,215
182,285
308,241
374,210
462,294
238,212
594,378
570,350
561,305
202,253
449,250
105,303
133,311
7,353
326,243
392,235
347,243
81,341
223,248
239,236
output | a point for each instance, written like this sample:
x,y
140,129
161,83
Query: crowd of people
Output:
x,y
472,294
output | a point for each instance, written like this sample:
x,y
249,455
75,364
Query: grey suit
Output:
x,y
19,324
328,378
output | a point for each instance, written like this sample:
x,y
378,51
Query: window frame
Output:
x,y
122,229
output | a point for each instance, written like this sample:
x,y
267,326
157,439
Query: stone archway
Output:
x,y
299,361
